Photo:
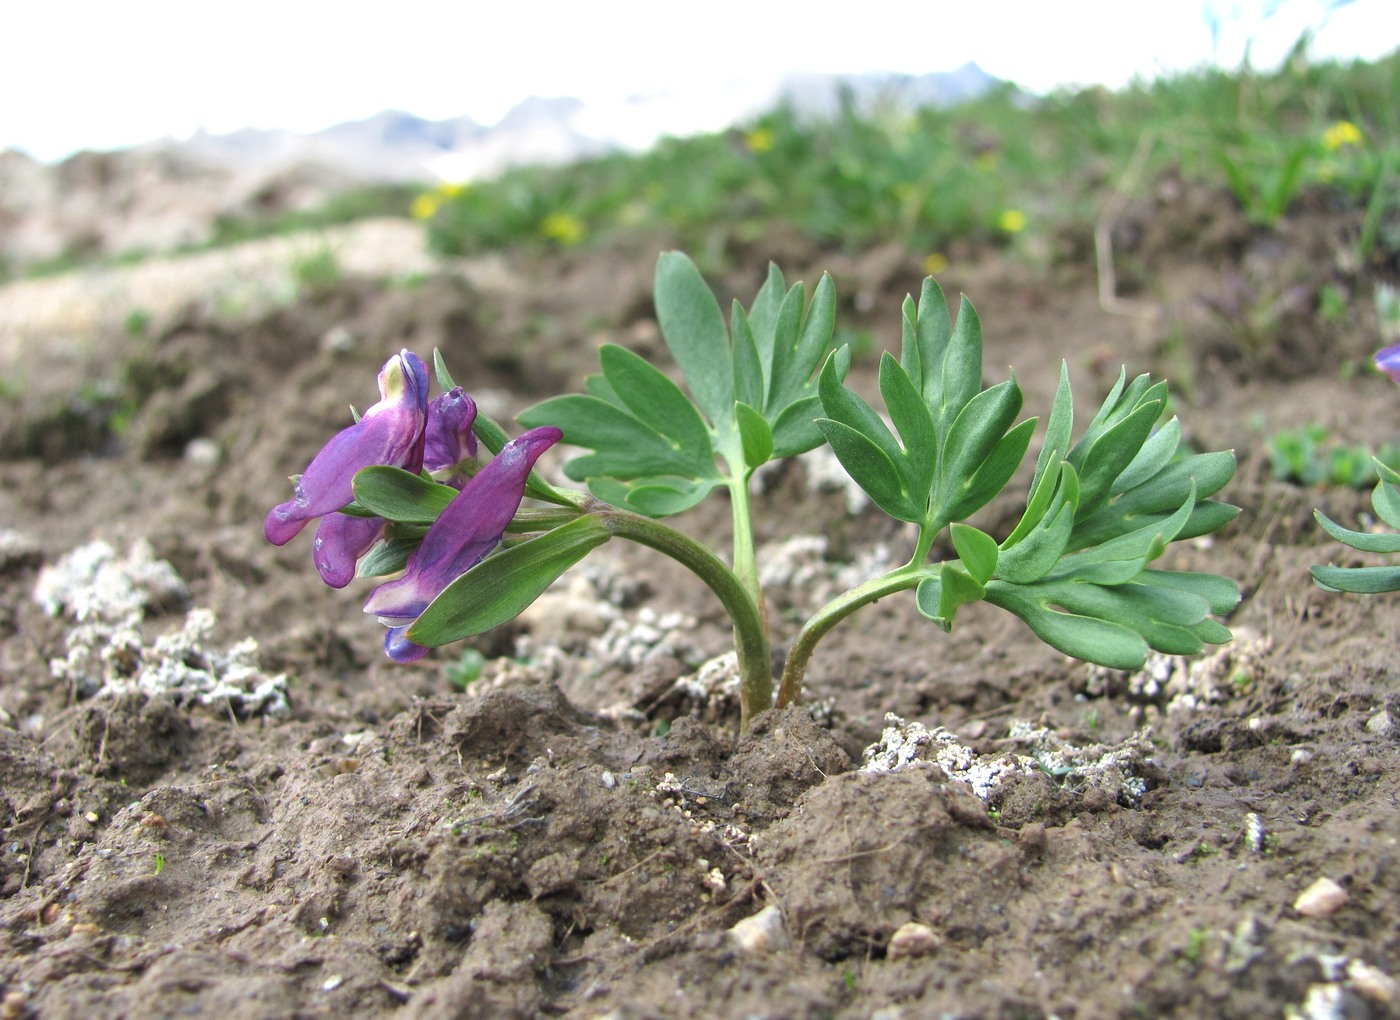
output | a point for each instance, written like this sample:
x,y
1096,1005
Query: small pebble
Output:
x,y
332,983
1320,899
1254,832
1372,982
1380,724
761,933
912,939
203,452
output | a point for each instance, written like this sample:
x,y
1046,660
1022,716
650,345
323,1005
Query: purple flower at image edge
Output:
x,y
469,528
1388,361
391,432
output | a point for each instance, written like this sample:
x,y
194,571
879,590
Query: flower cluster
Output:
x,y
406,430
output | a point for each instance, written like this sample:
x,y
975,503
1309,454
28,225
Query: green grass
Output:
x,y
996,171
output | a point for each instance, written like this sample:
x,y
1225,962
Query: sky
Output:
x,y
78,74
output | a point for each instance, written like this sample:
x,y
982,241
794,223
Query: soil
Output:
x,y
200,825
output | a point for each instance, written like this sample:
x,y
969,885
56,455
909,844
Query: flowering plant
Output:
x,y
1385,500
768,385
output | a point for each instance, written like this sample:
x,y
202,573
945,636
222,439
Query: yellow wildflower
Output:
x,y
759,140
451,189
935,263
425,207
565,228
1013,221
1342,134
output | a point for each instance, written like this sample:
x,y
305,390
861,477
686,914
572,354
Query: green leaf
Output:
x,y
1058,429
657,402
995,472
939,598
1037,506
1154,456
1163,617
850,409
1034,556
750,386
1123,603
1146,542
597,385
1388,542
933,334
796,430
399,495
961,376
911,417
1213,632
444,377
1114,450
1385,499
387,557
693,328
976,432
1220,593
977,550
909,357
786,329
871,468
755,434
1358,580
812,344
1387,473
763,315
1084,637
1120,403
1207,472
659,496
499,587
626,447
1209,516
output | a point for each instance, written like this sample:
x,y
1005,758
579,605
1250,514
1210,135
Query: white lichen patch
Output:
x,y
1115,768
799,564
716,683
106,653
105,659
1184,685
1119,769
825,474
16,549
906,744
93,583
647,635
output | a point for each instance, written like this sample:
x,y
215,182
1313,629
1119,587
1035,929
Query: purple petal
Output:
x,y
469,528
1388,361
391,432
448,438
399,648
340,542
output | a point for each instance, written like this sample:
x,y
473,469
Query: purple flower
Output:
x,y
449,440
461,537
1388,361
391,432
340,542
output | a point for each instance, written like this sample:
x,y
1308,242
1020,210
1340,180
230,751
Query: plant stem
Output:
x,y
829,615
750,632
745,561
